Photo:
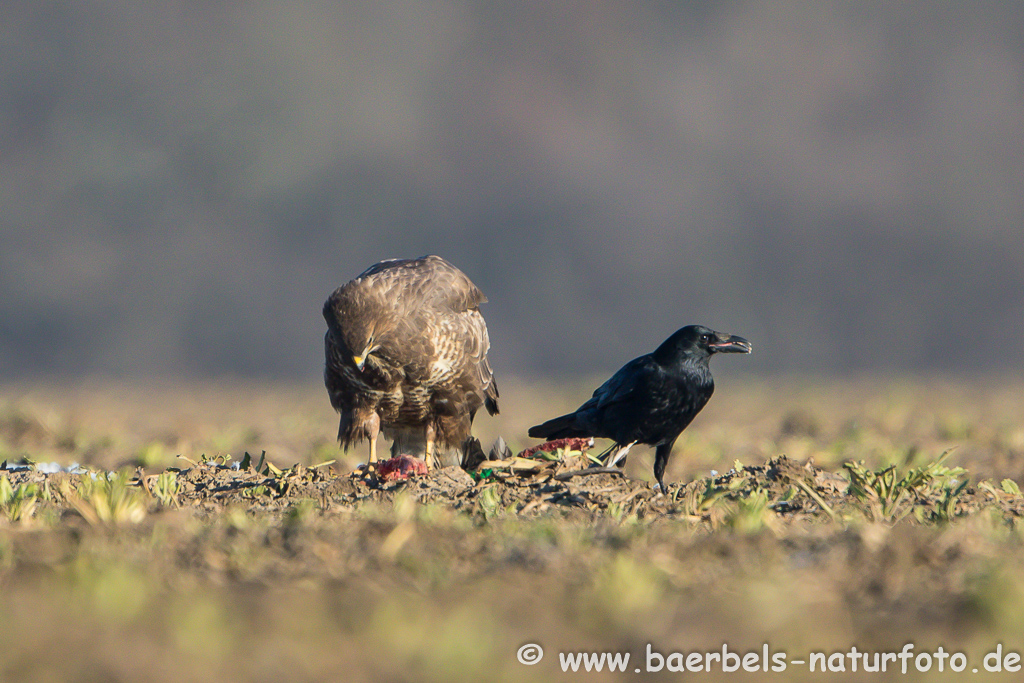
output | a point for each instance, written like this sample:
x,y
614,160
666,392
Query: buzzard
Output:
x,y
406,351
651,399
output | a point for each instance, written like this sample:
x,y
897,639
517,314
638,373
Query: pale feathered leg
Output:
x,y
373,428
428,456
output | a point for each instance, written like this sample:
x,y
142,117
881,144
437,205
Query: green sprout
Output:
x,y
890,496
18,503
108,498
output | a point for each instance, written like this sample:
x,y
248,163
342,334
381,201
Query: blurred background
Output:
x,y
184,183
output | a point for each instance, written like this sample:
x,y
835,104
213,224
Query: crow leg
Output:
x,y
619,454
605,456
661,454
602,457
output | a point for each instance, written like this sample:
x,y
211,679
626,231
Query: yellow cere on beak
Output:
x,y
358,360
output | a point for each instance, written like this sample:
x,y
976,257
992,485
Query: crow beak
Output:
x,y
730,343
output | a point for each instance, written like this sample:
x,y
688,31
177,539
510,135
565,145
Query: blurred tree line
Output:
x,y
183,183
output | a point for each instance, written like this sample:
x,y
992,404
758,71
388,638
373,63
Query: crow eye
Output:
x,y
705,338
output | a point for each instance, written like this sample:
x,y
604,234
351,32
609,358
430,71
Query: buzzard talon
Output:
x,y
406,356
364,472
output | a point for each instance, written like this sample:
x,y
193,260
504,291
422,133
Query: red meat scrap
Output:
x,y
571,444
400,467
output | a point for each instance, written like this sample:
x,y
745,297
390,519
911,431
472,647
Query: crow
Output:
x,y
651,399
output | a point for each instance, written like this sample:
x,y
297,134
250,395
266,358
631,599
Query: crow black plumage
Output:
x,y
651,399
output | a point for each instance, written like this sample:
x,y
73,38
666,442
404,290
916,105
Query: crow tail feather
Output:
x,y
563,427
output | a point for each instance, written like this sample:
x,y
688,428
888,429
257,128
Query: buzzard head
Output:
x,y
362,323
371,341
363,341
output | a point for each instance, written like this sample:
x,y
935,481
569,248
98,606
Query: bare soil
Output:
x,y
292,569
